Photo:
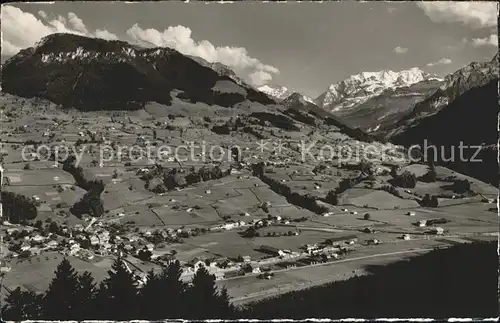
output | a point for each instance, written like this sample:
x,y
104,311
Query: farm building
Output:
x,y
342,240
272,250
437,230
422,223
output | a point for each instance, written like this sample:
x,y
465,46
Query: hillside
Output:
x,y
456,124
455,84
96,74
464,110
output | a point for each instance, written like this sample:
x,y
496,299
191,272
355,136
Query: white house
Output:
x,y
438,230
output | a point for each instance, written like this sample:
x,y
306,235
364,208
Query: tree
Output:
x,y
204,300
22,305
332,198
431,174
367,216
202,295
461,186
169,285
429,201
405,180
224,307
144,254
250,233
119,297
175,290
150,303
39,224
85,297
60,299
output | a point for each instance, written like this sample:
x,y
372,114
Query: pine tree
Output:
x,y
163,295
60,299
22,305
175,290
120,297
202,296
86,297
225,309
150,300
100,309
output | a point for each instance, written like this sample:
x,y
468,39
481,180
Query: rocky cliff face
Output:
x,y
95,74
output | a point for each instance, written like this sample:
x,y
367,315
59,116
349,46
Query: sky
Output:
x,y
304,46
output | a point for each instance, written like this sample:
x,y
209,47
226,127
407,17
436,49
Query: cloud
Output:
x,y
22,29
442,61
492,40
458,46
400,50
77,23
260,78
42,14
8,48
104,34
473,14
180,38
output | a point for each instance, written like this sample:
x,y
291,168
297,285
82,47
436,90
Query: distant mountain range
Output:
x,y
281,92
370,101
358,88
411,106
381,111
95,74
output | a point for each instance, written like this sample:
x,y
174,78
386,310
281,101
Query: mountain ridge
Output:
x,y
93,74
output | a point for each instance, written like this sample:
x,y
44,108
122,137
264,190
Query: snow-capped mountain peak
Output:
x,y
360,87
277,92
298,98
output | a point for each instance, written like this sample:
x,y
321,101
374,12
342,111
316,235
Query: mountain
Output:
x,y
382,111
300,109
96,74
358,88
275,91
463,111
471,76
221,69
282,93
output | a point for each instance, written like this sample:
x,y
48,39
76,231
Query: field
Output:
x,y
211,219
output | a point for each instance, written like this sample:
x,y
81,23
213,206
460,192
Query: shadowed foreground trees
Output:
x,y
71,296
461,281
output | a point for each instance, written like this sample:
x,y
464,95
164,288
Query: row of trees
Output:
x,y
73,296
17,207
160,180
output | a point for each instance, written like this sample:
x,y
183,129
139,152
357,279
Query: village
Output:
x,y
254,218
